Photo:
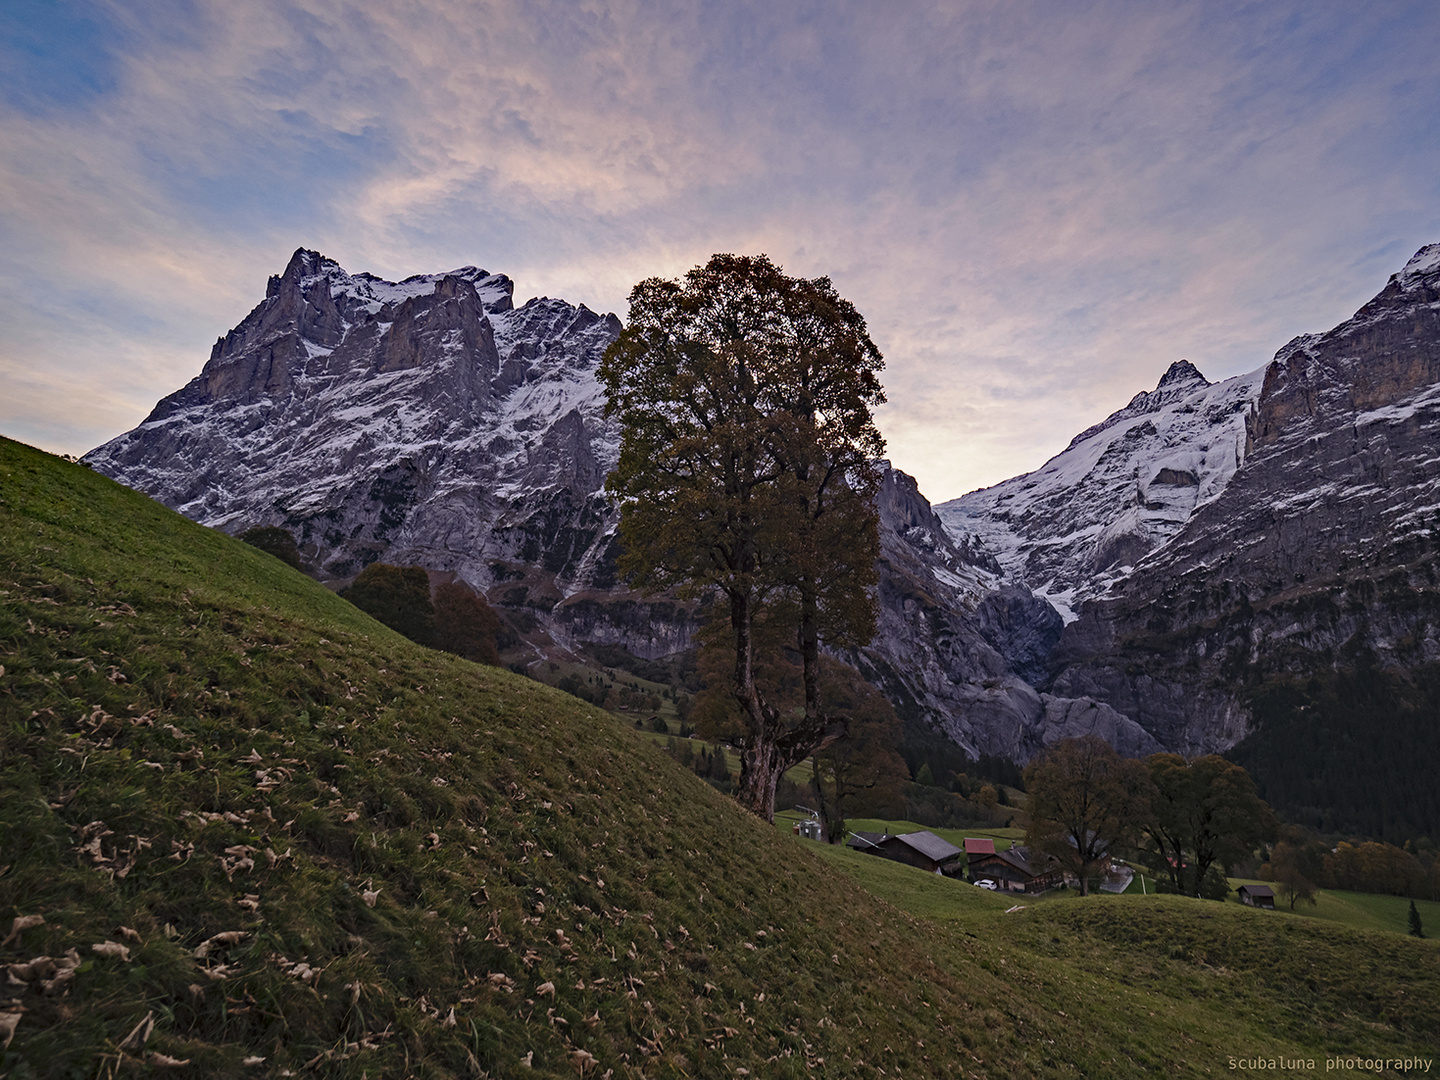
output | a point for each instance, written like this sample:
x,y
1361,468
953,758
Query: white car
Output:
x,y
986,883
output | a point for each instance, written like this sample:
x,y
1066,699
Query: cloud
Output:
x,y
1036,208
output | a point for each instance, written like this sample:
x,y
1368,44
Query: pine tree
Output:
x,y
1415,928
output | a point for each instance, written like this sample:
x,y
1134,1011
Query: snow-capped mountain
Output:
x,y
430,421
1083,520
1301,537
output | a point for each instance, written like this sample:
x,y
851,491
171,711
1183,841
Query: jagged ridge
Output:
x,y
430,421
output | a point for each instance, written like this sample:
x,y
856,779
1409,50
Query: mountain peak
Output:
x,y
302,265
1424,263
1181,371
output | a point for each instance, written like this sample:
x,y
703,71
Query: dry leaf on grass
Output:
x,y
583,1061
226,937
111,948
21,924
8,1023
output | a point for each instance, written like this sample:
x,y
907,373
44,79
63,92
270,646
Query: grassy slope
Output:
x,y
1364,911
550,885
1215,975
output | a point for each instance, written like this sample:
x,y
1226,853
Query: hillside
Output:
x,y
305,846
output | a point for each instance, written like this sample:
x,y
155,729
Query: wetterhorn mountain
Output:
x,y
431,421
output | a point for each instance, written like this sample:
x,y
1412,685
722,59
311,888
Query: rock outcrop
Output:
x,y
1323,547
954,645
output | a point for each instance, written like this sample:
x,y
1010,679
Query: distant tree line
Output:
x,y
710,763
1351,750
1300,863
1188,821
677,671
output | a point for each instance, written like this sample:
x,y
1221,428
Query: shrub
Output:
x,y
465,625
275,541
399,596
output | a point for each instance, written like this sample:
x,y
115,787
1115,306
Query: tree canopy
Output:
x,y
1205,815
1085,801
455,620
399,596
275,540
747,469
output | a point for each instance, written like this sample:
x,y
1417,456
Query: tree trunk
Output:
x,y
826,824
759,773
759,757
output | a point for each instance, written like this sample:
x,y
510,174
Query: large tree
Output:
x,y
1205,815
1287,869
746,468
1085,801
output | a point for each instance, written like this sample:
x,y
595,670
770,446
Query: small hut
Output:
x,y
1257,896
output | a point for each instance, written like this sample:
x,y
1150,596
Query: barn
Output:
x,y
923,849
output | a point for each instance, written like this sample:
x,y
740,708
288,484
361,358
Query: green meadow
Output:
x,y
247,831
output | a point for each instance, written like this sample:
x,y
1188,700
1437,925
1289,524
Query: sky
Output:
x,y
1036,206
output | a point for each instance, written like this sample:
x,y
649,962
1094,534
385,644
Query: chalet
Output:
x,y
977,846
1019,870
1257,896
923,849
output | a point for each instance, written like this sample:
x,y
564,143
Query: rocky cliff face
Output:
x,y
430,421
1321,549
1207,540
426,420
955,645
